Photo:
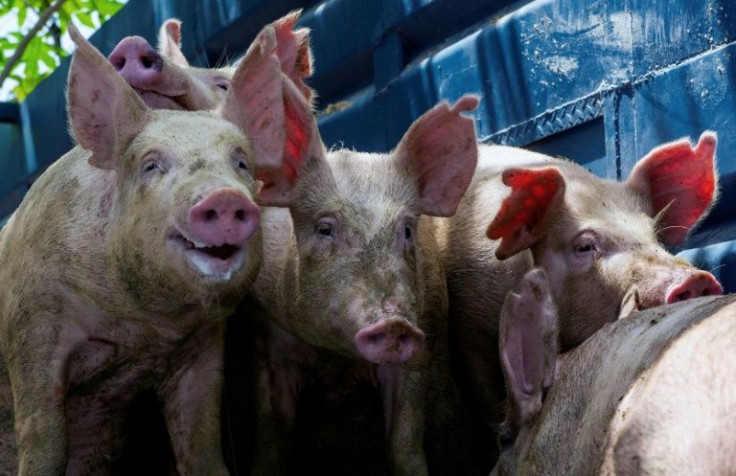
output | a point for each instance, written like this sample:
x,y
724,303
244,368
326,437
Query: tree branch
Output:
x,y
27,39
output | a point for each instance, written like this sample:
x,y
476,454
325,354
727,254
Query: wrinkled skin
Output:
x,y
652,394
165,80
123,260
596,239
351,281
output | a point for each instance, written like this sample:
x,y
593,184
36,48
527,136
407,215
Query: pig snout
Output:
x,y
225,216
693,285
137,62
389,342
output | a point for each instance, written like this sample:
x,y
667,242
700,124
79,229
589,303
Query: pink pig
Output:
x,y
125,257
598,240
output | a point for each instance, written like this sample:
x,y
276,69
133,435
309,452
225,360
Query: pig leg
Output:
x,y
404,394
276,409
191,398
38,385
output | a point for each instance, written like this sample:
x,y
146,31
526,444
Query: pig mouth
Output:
x,y
223,252
213,261
157,100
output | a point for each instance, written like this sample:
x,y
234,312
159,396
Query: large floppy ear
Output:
x,y
524,215
293,51
680,182
105,113
441,152
528,345
169,42
274,114
254,100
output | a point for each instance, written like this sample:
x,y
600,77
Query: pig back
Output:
x,y
623,395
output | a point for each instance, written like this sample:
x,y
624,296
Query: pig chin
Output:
x,y
210,262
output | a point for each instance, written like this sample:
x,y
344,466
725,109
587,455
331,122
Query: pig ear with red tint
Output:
x,y
528,345
524,214
441,151
254,100
104,111
680,182
293,51
169,42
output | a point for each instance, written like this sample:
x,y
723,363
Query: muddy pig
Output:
x,y
650,394
598,240
166,80
125,256
351,279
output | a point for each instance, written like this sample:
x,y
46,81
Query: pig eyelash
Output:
x,y
150,167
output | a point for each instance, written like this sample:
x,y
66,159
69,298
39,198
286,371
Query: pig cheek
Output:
x,y
589,301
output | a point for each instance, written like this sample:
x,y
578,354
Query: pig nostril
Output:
x,y
120,64
240,215
146,62
373,338
210,215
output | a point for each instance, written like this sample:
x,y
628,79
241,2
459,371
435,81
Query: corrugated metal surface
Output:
x,y
601,82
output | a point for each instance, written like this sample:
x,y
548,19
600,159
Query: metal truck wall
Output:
x,y
600,82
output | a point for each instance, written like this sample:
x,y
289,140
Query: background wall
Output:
x,y
601,82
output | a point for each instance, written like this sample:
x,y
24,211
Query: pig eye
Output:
x,y
324,229
151,166
586,243
242,165
223,85
407,232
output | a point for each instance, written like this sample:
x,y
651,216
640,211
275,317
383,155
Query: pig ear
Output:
x,y
680,182
274,114
169,42
303,143
441,152
254,100
524,214
528,345
293,51
104,111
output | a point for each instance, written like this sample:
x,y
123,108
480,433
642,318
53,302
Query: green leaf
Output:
x,y
22,16
85,19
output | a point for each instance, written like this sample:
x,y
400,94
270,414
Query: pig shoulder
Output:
x,y
575,422
677,417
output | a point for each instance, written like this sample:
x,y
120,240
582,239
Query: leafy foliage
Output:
x,y
44,52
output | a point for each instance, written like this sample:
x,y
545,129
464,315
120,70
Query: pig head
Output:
x,y
648,394
123,259
355,277
165,80
599,240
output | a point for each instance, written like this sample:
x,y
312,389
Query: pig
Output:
x,y
351,289
166,80
598,240
125,256
649,394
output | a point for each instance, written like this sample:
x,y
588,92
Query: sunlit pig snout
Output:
x,y
694,285
137,62
389,342
225,216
